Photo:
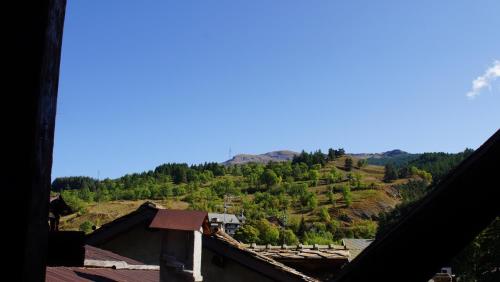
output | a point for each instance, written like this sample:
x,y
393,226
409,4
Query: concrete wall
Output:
x,y
139,243
142,244
179,244
215,268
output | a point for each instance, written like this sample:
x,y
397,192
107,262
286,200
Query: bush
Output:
x,y
365,229
288,237
321,238
76,204
324,215
362,163
309,200
331,197
86,227
314,177
294,223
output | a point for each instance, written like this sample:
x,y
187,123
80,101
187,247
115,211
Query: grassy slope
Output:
x,y
101,213
365,205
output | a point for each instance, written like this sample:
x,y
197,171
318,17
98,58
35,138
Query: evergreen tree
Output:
x,y
348,164
331,154
390,173
339,153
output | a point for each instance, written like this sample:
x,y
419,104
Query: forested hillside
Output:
x,y
314,198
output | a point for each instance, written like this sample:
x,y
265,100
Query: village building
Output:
x,y
184,246
229,223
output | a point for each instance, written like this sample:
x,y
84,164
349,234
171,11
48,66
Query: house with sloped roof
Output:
x,y
225,221
182,244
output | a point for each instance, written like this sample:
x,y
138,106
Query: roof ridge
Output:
x,y
224,237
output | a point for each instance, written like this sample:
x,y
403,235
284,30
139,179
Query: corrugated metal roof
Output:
x,y
179,220
78,274
94,253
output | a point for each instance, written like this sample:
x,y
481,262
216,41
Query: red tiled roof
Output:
x,y
60,274
179,220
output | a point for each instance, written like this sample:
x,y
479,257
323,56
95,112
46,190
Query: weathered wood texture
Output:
x,y
447,219
36,51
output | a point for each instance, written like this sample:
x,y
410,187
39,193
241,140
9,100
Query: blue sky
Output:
x,y
148,82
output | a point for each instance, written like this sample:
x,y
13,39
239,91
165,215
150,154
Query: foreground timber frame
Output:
x,y
447,220
33,75
444,222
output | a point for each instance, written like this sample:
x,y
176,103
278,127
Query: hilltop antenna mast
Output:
x,y
230,153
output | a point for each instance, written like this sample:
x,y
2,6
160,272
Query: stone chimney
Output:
x,y
180,256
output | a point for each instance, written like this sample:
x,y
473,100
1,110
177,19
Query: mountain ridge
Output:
x,y
276,156
287,155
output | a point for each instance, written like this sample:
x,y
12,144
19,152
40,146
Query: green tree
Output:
x,y
414,171
331,154
288,237
102,195
318,237
269,234
247,234
270,178
356,179
314,176
335,175
324,215
340,152
86,195
75,203
346,194
362,163
348,164
390,173
331,197
312,201
179,175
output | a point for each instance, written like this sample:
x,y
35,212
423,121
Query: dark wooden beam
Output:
x,y
443,223
34,41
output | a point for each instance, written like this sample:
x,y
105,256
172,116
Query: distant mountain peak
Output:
x,y
395,152
276,156
387,154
